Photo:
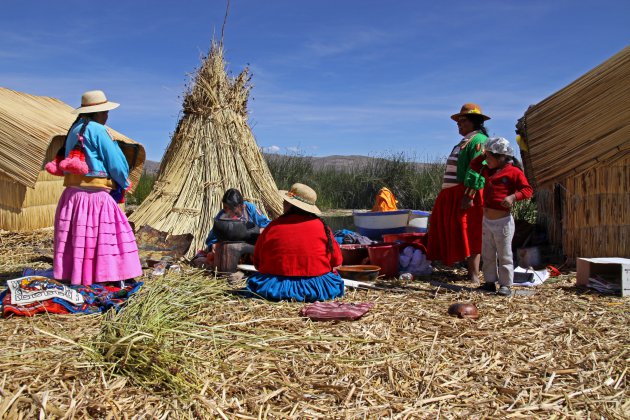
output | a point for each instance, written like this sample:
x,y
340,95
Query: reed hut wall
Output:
x,y
581,126
577,157
32,129
213,149
549,212
597,211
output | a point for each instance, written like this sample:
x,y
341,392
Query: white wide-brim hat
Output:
x,y
301,196
94,101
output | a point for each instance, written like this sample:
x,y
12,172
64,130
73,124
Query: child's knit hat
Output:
x,y
499,146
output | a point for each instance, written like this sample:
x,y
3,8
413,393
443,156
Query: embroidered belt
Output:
x,y
75,180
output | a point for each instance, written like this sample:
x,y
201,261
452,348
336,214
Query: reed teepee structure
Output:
x,y
212,149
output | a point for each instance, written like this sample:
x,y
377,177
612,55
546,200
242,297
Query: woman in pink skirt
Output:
x,y
94,242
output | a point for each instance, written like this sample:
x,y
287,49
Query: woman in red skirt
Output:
x,y
455,224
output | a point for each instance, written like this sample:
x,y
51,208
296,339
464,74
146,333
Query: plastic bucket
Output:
x,y
418,221
354,254
385,256
405,238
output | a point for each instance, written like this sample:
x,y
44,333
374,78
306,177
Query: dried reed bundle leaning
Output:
x,y
213,149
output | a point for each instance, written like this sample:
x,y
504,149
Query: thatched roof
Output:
x,y
28,124
585,124
213,149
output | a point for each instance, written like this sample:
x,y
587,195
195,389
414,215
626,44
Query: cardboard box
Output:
x,y
617,267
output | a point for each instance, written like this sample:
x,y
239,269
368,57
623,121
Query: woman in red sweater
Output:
x,y
296,253
505,184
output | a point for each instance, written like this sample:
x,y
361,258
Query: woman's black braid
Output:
x,y
62,150
329,244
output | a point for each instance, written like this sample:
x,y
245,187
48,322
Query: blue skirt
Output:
x,y
301,289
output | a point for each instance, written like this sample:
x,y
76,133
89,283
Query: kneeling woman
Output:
x,y
296,253
244,213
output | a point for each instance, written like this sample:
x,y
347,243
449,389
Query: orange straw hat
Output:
x,y
94,101
301,196
470,109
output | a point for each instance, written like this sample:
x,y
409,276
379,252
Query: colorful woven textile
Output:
x,y
97,298
29,289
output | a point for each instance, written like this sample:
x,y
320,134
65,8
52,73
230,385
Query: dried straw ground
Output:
x,y
561,353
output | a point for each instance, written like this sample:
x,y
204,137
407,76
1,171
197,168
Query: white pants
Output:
x,y
497,245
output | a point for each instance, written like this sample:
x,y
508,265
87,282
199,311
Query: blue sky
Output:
x,y
330,77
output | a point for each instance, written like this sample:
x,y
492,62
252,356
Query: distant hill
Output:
x,y
339,162
151,167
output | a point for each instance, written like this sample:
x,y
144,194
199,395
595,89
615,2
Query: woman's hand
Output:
x,y
467,202
508,201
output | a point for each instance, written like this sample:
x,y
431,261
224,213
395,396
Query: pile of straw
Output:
x,y
185,349
213,149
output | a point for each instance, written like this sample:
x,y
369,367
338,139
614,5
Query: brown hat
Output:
x,y
301,196
469,109
94,101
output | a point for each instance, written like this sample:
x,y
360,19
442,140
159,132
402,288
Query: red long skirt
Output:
x,y
454,234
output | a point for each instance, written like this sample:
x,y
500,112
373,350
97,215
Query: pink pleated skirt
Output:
x,y
94,242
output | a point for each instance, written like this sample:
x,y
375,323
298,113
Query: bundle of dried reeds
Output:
x,y
213,149
581,125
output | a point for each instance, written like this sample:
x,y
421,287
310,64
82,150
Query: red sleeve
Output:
x,y
523,189
477,163
259,248
337,258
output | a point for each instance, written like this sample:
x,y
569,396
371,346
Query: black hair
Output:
x,y
296,210
232,198
61,153
478,121
517,163
509,159
89,115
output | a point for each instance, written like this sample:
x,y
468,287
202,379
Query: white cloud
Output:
x,y
271,149
347,42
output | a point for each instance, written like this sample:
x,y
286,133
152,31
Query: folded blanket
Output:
x,y
335,311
